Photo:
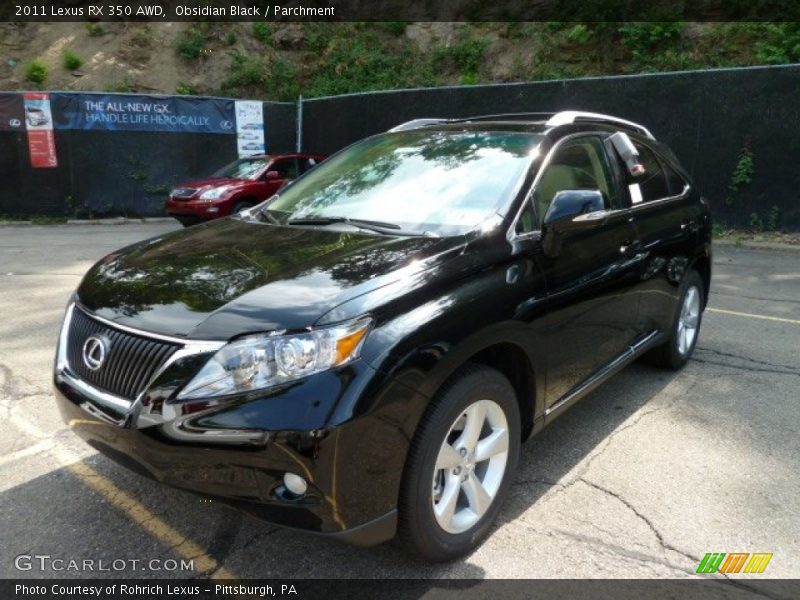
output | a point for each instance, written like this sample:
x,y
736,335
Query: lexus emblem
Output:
x,y
95,351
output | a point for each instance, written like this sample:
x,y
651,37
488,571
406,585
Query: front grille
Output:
x,y
183,193
131,360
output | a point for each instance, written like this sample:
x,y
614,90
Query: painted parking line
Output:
x,y
121,500
736,313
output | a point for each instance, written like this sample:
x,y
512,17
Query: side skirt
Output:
x,y
651,340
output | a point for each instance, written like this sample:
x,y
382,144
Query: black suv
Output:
x,y
363,354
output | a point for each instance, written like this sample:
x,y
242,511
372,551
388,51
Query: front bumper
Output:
x,y
198,209
237,451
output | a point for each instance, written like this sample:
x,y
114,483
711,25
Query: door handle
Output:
x,y
628,248
688,225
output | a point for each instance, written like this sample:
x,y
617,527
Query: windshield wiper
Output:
x,y
265,214
377,226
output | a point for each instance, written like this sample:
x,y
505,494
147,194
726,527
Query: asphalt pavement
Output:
x,y
640,480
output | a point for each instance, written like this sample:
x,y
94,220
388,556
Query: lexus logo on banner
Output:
x,y
39,123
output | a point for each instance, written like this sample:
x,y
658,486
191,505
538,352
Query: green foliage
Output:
x,y
518,30
95,29
185,89
780,43
72,61
756,224
465,56
645,40
143,37
36,71
121,87
282,83
469,79
319,35
579,34
245,72
773,218
191,43
230,38
397,28
359,64
743,173
262,31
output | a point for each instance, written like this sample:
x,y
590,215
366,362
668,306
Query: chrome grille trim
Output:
x,y
132,361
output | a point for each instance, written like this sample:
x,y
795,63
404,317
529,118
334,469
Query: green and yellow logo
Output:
x,y
737,562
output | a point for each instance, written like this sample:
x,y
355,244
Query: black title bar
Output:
x,y
399,10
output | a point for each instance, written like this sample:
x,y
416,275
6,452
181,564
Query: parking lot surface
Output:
x,y
641,479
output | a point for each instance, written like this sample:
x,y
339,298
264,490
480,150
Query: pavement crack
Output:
x,y
259,536
748,359
658,535
539,482
747,369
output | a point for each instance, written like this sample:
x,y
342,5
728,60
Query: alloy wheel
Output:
x,y
688,320
470,466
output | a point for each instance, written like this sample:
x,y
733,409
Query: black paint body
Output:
x,y
551,324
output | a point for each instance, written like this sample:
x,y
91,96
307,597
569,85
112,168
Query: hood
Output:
x,y
210,182
232,276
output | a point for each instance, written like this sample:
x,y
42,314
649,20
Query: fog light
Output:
x,y
295,484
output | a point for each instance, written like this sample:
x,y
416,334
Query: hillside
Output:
x,y
280,61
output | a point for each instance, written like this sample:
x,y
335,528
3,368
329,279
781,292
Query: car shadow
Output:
x,y
61,514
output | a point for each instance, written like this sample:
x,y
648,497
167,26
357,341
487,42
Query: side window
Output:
x,y
652,185
527,219
286,167
581,164
675,182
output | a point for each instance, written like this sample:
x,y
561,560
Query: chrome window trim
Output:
x,y
666,199
511,234
149,334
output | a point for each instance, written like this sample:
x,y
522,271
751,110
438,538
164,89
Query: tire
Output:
x,y
489,396
677,350
240,206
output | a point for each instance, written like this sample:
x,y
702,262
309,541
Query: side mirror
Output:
x,y
270,175
571,210
568,204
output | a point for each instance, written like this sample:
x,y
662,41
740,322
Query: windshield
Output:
x,y
438,182
245,168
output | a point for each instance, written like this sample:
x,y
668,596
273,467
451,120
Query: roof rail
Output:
x,y
416,124
538,116
567,117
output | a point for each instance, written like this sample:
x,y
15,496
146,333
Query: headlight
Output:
x,y
214,193
261,361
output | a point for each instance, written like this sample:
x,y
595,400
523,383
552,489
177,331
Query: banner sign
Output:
x,y
119,112
250,128
39,123
12,113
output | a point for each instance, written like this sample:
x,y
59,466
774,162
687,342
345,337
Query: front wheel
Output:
x,y
686,320
240,206
460,465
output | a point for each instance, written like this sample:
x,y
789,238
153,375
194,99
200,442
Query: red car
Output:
x,y
239,185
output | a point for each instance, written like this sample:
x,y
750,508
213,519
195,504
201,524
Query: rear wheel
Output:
x,y
460,466
678,348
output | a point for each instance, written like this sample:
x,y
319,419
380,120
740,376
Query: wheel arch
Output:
x,y
702,264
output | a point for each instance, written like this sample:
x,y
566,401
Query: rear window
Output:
x,y
653,184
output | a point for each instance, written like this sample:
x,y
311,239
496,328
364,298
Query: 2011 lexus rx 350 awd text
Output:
x,y
363,354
